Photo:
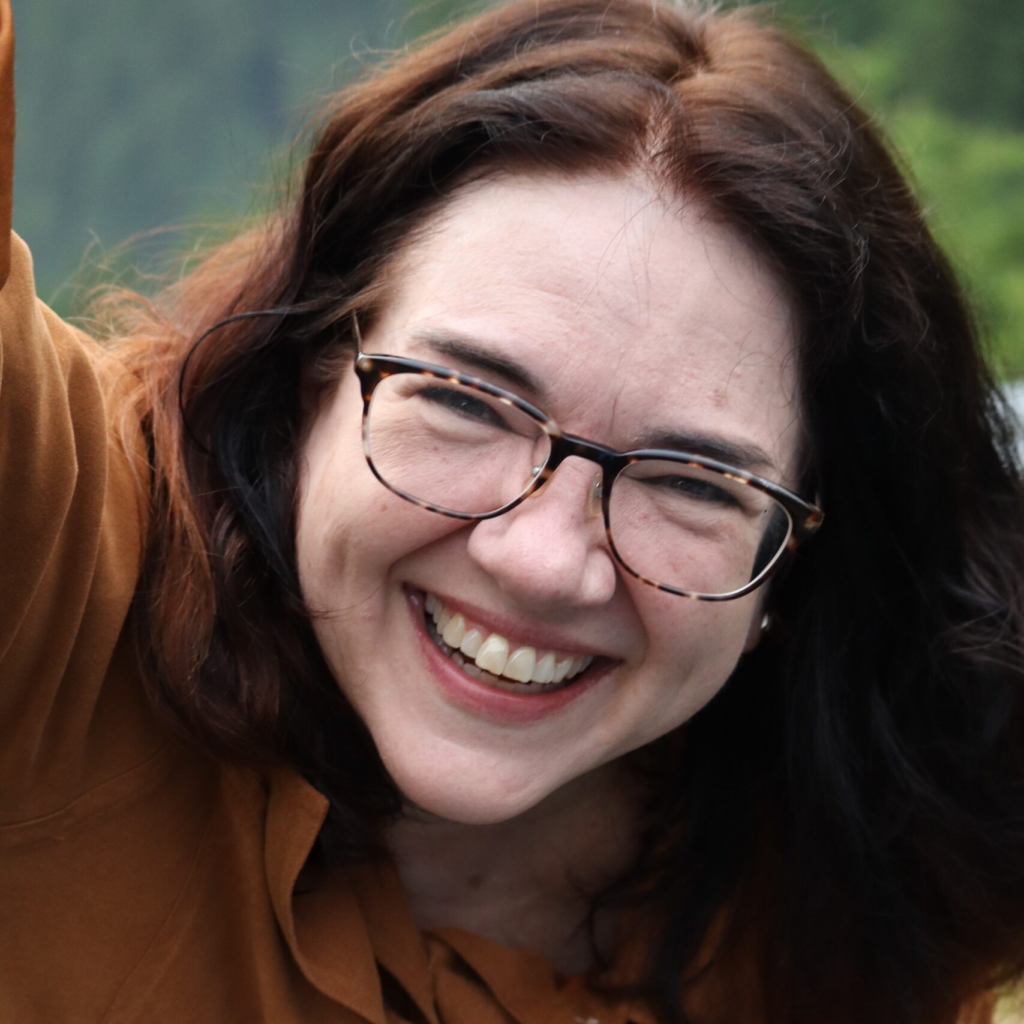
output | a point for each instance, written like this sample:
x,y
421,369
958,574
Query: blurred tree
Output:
x,y
133,116
963,56
972,182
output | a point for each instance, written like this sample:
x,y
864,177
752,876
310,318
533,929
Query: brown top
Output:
x,y
140,881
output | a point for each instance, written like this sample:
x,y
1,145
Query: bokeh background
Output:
x,y
136,116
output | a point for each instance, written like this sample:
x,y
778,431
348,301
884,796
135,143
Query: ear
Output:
x,y
758,625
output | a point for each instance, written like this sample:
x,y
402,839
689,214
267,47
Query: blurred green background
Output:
x,y
135,116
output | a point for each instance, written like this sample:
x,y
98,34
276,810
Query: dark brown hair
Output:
x,y
849,808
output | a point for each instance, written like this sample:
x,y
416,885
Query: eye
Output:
x,y
465,404
692,487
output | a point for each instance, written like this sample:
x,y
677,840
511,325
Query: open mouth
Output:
x,y
498,662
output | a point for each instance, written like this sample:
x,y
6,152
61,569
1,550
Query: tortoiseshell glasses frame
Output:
x,y
804,517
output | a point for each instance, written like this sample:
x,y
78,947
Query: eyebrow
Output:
x,y
743,456
470,352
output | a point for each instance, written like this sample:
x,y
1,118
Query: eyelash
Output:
x,y
443,396
706,491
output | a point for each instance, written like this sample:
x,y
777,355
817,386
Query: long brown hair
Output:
x,y
853,796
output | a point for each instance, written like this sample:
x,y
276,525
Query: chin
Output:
x,y
488,798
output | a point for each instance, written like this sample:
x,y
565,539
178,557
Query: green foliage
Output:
x,y
972,182
965,57
969,176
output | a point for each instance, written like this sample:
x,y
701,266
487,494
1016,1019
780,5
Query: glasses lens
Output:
x,y
693,529
452,446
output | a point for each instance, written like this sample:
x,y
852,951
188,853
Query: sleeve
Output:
x,y
6,132
72,714
981,1010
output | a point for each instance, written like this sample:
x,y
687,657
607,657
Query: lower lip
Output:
x,y
472,695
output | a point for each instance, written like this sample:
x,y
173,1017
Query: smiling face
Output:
x,y
635,315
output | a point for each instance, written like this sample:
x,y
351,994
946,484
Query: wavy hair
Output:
x,y
850,808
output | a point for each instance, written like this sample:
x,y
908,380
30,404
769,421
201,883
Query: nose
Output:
x,y
550,550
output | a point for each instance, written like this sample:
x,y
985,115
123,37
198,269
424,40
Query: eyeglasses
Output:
x,y
683,523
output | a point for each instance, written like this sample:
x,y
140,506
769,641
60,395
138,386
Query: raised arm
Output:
x,y
72,714
6,133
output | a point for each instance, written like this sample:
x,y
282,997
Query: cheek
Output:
x,y
331,491
350,530
691,654
351,534
340,507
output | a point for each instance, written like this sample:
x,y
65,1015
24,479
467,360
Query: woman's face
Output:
x,y
633,314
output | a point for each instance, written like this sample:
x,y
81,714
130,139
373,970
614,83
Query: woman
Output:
x,y
426,611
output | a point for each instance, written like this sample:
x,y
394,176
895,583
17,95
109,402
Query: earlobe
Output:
x,y
759,625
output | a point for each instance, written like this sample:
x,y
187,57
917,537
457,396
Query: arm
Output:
x,y
6,132
71,523
981,1010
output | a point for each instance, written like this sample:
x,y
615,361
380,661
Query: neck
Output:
x,y
524,882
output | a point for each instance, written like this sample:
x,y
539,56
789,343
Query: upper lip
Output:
x,y
520,631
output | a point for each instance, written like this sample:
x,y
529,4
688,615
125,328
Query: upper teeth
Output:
x,y
495,654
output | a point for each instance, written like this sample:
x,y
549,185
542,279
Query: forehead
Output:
x,y
631,308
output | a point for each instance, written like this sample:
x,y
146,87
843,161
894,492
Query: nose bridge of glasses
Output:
x,y
594,493
569,451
